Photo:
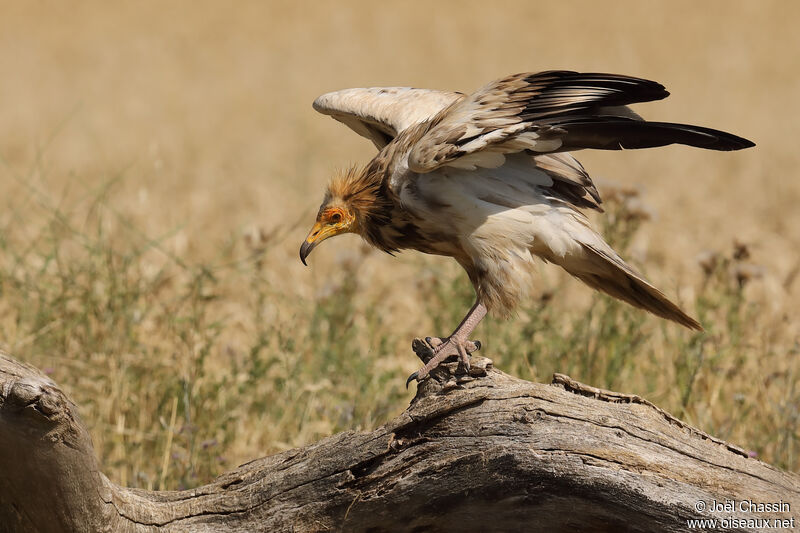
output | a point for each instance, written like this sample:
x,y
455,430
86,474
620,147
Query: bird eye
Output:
x,y
336,218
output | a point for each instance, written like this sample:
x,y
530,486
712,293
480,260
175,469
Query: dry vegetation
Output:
x,y
160,164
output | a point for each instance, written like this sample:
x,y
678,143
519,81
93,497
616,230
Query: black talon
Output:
x,y
411,378
428,340
477,345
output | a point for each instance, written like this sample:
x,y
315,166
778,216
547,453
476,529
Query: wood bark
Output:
x,y
483,452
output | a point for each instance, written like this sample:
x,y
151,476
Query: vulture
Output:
x,y
488,179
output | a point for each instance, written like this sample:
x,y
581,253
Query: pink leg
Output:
x,y
456,344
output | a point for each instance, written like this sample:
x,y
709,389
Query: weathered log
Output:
x,y
485,452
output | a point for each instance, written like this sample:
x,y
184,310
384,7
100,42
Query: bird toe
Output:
x,y
463,356
434,342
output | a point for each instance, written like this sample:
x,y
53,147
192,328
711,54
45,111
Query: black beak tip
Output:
x,y
305,249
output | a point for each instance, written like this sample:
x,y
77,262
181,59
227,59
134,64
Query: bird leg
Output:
x,y
456,344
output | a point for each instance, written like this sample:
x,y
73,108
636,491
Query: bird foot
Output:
x,y
442,349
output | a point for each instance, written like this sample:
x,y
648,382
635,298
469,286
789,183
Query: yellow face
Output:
x,y
330,221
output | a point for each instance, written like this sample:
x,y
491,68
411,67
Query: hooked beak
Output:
x,y
318,233
305,249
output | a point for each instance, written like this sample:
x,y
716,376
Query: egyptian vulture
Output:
x,y
487,179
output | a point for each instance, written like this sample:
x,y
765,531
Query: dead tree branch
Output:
x,y
486,452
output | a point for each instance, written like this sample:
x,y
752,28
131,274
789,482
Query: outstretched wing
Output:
x,y
552,111
380,113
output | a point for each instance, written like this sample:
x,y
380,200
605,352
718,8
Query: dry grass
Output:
x,y
160,164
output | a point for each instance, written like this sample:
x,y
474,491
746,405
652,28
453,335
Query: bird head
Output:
x,y
350,202
334,217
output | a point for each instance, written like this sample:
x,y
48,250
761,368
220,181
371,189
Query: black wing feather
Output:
x,y
614,133
562,93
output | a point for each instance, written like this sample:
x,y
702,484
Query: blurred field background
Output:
x,y
160,164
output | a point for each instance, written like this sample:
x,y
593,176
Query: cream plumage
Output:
x,y
486,179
